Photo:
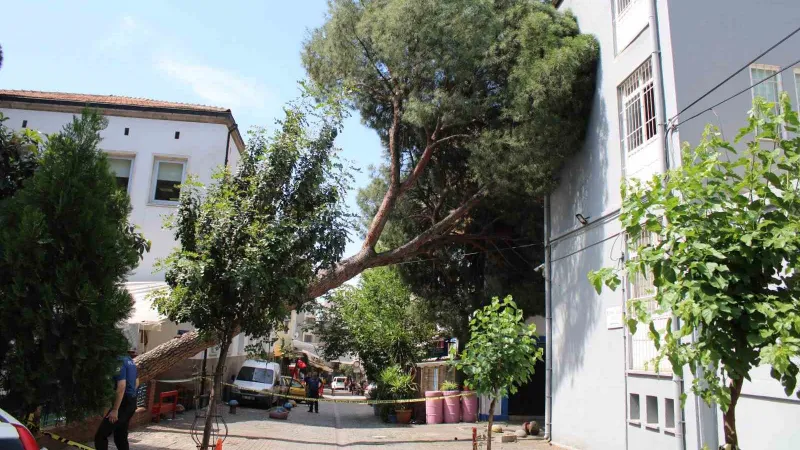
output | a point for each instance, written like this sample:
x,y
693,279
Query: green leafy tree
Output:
x,y
501,354
379,320
474,102
65,250
19,157
251,244
724,258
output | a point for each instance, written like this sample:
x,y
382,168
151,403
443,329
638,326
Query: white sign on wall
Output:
x,y
614,317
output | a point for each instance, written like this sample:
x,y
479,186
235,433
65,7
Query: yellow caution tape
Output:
x,y
353,401
34,428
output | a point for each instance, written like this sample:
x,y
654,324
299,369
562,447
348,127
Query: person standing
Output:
x,y
116,420
313,385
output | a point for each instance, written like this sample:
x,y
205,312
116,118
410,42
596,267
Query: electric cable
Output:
x,y
735,73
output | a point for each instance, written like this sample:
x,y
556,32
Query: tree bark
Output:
x,y
215,390
729,416
164,356
491,422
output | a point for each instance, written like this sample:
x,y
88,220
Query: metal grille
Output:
x,y
622,6
141,396
642,348
639,111
769,90
642,284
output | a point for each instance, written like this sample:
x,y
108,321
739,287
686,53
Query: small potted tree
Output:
x,y
501,354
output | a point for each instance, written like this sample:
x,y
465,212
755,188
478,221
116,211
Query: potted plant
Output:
x,y
399,386
452,404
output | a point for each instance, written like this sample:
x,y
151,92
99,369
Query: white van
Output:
x,y
256,382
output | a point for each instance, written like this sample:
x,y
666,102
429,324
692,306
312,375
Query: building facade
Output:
x,y
657,58
152,146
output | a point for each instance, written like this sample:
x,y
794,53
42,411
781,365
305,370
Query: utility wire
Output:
x,y
735,73
736,94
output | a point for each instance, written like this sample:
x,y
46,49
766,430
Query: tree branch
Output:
x,y
390,198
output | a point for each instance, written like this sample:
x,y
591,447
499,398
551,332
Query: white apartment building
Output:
x,y
152,146
657,58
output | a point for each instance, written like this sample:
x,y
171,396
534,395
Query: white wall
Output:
x,y
201,145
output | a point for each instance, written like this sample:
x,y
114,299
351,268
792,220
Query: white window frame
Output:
x,y
131,158
623,6
639,86
157,160
797,86
777,78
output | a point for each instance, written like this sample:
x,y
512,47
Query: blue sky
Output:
x,y
243,55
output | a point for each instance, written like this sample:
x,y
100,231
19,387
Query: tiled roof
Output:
x,y
109,100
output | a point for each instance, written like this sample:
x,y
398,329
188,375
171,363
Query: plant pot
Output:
x,y
469,407
434,412
392,418
403,415
452,407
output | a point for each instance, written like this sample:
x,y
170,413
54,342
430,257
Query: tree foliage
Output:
x,y
475,102
65,249
502,352
493,255
19,157
724,257
378,320
470,99
253,241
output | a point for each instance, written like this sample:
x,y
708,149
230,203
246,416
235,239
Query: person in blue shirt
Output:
x,y
116,420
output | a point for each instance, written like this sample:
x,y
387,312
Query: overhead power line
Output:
x,y
737,94
736,73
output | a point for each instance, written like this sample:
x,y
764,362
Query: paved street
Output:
x,y
336,426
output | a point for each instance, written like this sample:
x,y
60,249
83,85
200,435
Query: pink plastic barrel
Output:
x,y
433,407
452,407
469,405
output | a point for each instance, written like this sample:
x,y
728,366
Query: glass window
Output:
x,y
255,375
622,6
121,167
797,86
169,175
769,89
638,115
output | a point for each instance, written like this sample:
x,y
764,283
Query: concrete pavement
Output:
x,y
337,426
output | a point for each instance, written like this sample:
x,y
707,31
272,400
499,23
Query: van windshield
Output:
x,y
256,375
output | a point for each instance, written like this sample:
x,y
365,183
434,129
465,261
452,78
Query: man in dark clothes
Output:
x,y
117,418
312,388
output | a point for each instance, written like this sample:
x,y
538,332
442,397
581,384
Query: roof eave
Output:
x,y
224,117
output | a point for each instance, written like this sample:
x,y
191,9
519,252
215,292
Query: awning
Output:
x,y
144,314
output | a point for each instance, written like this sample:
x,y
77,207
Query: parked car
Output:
x,y
293,387
14,435
257,382
338,383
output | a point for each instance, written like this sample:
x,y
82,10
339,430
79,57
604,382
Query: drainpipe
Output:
x,y
548,327
660,99
231,129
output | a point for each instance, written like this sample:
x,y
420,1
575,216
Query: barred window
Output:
x,y
638,115
642,350
622,6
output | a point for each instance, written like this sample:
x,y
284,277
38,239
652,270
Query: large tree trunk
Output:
x,y
216,388
491,422
164,356
729,416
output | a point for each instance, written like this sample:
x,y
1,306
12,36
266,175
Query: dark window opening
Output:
x,y
24,124
127,131
177,135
